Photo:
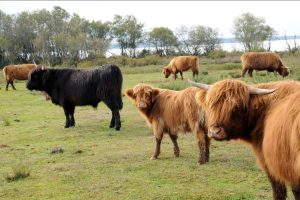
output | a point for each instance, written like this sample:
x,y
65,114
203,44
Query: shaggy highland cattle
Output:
x,y
17,72
78,87
181,64
267,116
262,61
169,112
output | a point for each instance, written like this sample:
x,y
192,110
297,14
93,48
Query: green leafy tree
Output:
x,y
6,39
163,40
59,34
198,39
42,23
205,39
128,33
24,36
99,38
251,31
184,42
77,40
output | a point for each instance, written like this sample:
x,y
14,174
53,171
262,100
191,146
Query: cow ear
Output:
x,y
129,93
155,93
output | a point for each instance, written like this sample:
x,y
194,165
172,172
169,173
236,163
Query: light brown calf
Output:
x,y
181,64
169,112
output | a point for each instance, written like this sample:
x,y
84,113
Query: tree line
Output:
x,y
57,37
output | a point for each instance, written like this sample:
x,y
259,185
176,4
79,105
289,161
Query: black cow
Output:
x,y
78,87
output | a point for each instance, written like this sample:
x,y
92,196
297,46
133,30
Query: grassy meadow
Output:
x,y
100,163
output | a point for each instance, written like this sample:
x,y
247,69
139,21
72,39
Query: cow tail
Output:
x,y
5,73
197,65
119,99
120,102
118,81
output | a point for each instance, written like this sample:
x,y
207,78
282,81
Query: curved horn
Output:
x,y
259,91
34,63
199,85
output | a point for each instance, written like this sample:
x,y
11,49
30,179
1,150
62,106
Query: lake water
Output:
x,y
276,45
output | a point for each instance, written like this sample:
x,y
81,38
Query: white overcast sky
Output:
x,y
283,16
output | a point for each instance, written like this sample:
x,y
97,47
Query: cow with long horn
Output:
x,y
267,116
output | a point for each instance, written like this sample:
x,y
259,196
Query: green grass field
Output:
x,y
100,163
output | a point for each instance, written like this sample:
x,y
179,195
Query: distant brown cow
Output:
x,y
267,116
169,112
181,64
262,61
16,72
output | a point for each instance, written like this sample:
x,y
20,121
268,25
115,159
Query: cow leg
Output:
x,y
117,119
112,104
67,111
250,72
7,83
157,148
203,144
176,147
112,121
279,189
158,134
296,192
12,85
181,75
72,119
175,75
244,72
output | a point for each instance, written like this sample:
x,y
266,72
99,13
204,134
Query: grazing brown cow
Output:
x,y
18,72
266,116
181,64
169,112
262,61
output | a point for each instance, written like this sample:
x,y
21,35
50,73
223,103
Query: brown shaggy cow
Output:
x,y
169,112
262,61
18,72
181,64
268,120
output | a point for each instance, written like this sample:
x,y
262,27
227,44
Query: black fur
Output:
x,y
78,87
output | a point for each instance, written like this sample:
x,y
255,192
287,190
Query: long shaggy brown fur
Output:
x,y
270,123
170,112
262,61
17,72
180,64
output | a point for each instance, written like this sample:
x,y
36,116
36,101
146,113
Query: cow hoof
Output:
x,y
118,128
111,126
153,158
201,162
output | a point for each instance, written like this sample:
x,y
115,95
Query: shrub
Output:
x,y
175,85
19,172
217,54
5,121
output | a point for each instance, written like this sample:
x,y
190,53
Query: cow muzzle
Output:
x,y
142,105
217,133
